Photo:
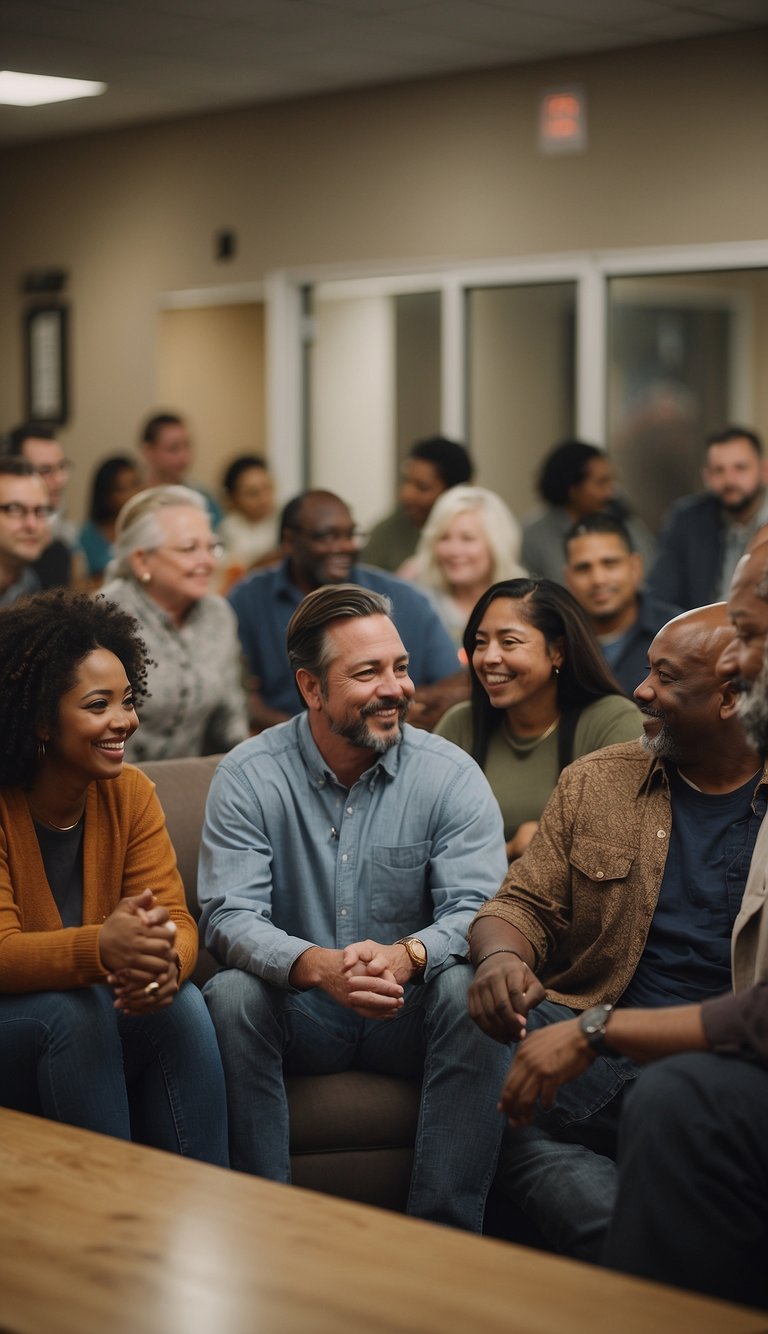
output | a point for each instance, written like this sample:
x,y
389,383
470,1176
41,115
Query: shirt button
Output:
x,y
599,875
343,912
344,857
349,810
661,833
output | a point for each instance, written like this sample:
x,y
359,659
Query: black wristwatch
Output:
x,y
593,1024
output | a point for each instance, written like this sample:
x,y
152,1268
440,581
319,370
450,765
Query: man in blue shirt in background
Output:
x,y
321,544
344,855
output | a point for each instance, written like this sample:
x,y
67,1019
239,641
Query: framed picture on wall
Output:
x,y
46,364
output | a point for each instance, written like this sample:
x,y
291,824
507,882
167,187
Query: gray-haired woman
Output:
x,y
165,555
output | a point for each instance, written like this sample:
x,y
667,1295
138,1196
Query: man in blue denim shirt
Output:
x,y
344,855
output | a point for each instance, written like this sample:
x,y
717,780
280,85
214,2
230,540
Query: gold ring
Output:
x,y
150,988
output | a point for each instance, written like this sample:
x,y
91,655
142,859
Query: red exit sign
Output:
x,y
563,120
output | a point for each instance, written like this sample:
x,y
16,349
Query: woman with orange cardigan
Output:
x,y
99,1026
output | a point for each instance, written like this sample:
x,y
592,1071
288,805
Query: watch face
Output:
x,y
417,951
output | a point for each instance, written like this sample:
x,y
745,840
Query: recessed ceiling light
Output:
x,y
32,90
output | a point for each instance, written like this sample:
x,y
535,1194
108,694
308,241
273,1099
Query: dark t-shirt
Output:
x,y
687,956
62,854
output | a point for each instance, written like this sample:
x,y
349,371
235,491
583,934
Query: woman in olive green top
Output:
x,y
541,696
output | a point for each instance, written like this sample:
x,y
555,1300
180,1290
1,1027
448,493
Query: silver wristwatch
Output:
x,y
593,1024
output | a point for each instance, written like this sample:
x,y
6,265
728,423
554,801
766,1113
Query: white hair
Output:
x,y
500,527
138,528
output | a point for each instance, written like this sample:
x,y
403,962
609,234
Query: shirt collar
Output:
x,y
321,772
656,773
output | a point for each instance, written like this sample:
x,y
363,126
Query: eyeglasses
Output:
x,y
16,511
215,549
48,469
327,537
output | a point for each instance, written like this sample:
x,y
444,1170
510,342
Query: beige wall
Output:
x,y
440,169
210,365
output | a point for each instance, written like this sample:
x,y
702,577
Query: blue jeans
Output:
x,y
561,1171
70,1056
264,1031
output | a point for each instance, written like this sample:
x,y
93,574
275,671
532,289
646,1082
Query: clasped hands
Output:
x,y
137,945
366,977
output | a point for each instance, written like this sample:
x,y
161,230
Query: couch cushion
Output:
x,y
182,788
350,1110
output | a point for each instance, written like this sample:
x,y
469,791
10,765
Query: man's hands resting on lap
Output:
x,y
366,977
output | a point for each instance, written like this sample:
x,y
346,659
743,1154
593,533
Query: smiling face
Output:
x,y
367,690
683,698
180,567
512,659
463,553
603,576
96,718
743,662
323,546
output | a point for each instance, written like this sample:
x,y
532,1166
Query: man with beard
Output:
x,y
627,896
344,855
605,574
705,536
321,545
692,1203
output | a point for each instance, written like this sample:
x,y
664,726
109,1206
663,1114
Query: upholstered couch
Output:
x,y
352,1134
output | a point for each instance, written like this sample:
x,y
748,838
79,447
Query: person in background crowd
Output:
x,y
99,1026
432,466
25,514
321,544
249,528
605,575
36,442
704,536
114,482
541,696
165,556
470,541
576,479
167,449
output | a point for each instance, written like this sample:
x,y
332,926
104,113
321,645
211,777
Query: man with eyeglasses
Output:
x,y
321,545
25,514
36,442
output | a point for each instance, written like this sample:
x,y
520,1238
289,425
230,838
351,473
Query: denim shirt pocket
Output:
x,y
398,881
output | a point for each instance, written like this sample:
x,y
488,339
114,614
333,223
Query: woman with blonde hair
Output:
x,y
165,557
470,541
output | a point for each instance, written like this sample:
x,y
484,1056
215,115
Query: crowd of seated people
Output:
x,y
578,813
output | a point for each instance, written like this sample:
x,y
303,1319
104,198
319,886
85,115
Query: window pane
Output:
x,y
683,358
521,383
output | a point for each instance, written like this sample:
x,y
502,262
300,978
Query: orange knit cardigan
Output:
x,y
126,849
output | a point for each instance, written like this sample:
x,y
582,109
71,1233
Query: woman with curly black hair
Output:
x,y
98,1025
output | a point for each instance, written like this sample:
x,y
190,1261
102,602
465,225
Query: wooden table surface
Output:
x,y
103,1237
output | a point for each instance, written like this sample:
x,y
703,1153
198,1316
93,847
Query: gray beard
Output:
x,y
663,745
752,711
360,734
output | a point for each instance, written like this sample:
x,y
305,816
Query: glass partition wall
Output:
x,y
643,353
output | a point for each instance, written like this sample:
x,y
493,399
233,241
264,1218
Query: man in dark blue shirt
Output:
x,y
321,544
605,574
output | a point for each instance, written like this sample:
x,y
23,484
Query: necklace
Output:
x,y
520,744
60,828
